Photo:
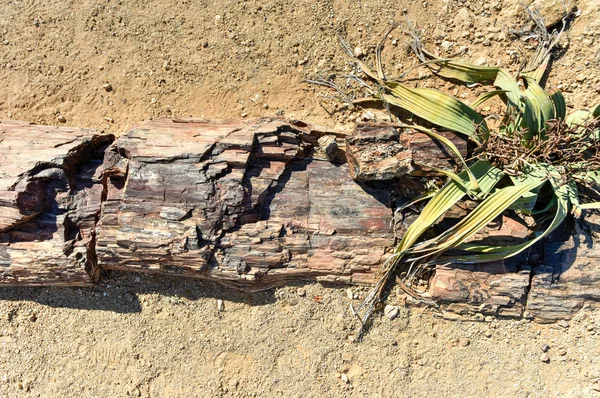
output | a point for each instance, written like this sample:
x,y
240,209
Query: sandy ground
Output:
x,y
145,336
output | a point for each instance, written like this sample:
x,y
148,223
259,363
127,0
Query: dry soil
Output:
x,y
108,64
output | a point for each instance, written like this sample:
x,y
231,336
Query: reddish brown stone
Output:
x,y
382,152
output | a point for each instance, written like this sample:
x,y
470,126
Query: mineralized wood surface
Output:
x,y
383,152
49,203
568,280
255,204
496,288
240,202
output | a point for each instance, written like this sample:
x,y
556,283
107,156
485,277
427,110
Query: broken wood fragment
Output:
x,y
568,279
50,196
379,152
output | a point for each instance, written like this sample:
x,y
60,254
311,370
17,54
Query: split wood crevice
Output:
x,y
251,204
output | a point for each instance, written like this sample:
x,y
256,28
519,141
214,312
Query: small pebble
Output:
x,y
464,342
489,318
545,358
345,378
61,119
563,324
447,45
220,306
488,334
129,297
482,61
349,294
301,292
107,87
562,351
368,116
358,52
545,347
391,311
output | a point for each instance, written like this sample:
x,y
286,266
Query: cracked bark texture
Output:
x,y
252,205
569,278
239,202
49,203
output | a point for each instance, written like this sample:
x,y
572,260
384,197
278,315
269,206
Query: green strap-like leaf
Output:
x,y
560,106
528,201
495,253
590,206
530,119
506,82
484,213
462,71
438,108
487,176
540,100
469,73
486,96
578,118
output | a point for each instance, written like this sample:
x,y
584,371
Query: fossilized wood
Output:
x,y
49,203
379,152
489,289
496,288
568,280
249,204
240,202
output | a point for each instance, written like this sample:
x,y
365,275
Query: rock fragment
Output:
x,y
391,311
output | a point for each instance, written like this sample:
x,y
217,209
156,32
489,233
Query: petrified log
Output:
x,y
243,202
49,203
252,204
239,202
